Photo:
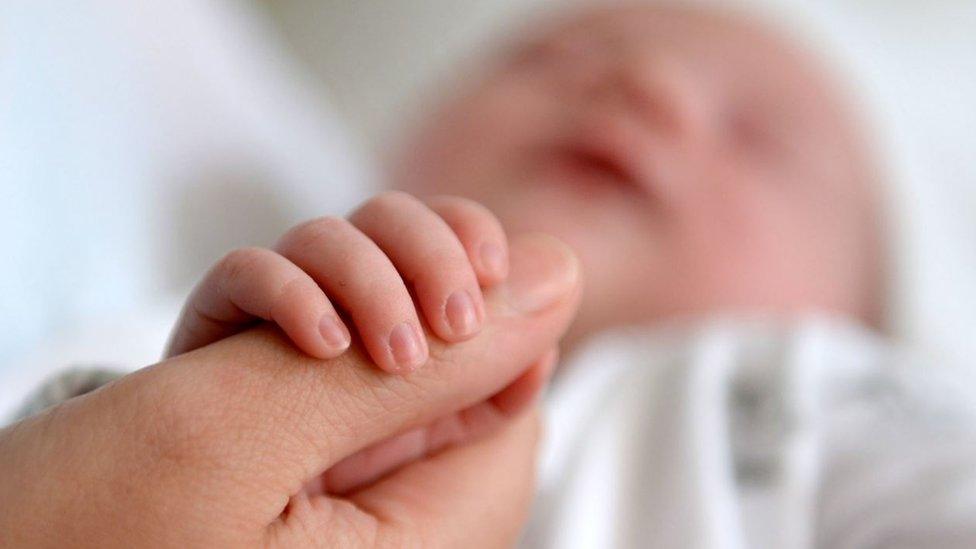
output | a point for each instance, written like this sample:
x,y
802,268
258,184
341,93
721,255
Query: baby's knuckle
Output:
x,y
310,234
297,290
471,220
447,201
486,219
388,201
239,261
456,203
240,255
447,269
464,206
393,197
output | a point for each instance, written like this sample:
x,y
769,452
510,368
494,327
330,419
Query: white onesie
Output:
x,y
755,434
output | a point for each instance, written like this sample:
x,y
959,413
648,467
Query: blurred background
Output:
x,y
139,141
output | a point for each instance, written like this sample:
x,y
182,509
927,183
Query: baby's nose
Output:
x,y
660,91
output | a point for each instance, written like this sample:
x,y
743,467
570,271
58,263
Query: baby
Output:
x,y
697,163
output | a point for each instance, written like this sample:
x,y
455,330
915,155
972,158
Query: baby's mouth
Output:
x,y
589,168
583,166
606,155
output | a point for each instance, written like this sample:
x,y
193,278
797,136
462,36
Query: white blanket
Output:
x,y
139,142
735,434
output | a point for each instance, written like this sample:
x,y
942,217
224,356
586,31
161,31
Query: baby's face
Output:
x,y
697,163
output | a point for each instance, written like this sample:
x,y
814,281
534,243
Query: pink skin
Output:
x,y
696,162
369,264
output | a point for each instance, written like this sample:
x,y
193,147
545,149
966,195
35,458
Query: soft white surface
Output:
x,y
140,141
734,434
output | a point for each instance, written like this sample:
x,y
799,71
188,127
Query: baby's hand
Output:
x,y
368,264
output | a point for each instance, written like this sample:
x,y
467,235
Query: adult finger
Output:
x,y
479,491
481,419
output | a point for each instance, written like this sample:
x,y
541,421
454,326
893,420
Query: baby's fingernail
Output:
x,y
543,270
334,333
405,345
493,260
461,314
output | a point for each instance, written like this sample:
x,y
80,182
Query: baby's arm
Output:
x,y
367,264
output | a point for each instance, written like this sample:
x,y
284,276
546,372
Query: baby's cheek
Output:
x,y
729,248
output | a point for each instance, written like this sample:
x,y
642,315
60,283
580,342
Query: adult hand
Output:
x,y
219,446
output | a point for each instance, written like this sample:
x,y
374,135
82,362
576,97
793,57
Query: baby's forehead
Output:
x,y
739,58
648,26
729,51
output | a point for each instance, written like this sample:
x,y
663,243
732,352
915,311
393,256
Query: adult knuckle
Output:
x,y
172,437
182,427
350,526
373,399
448,364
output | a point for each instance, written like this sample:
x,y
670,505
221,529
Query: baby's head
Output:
x,y
696,161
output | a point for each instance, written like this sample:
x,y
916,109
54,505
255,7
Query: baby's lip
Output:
x,y
581,164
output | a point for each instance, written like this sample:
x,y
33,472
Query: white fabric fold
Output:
x,y
727,434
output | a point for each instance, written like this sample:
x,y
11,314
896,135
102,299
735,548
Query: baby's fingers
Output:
x,y
362,280
430,257
480,233
254,283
